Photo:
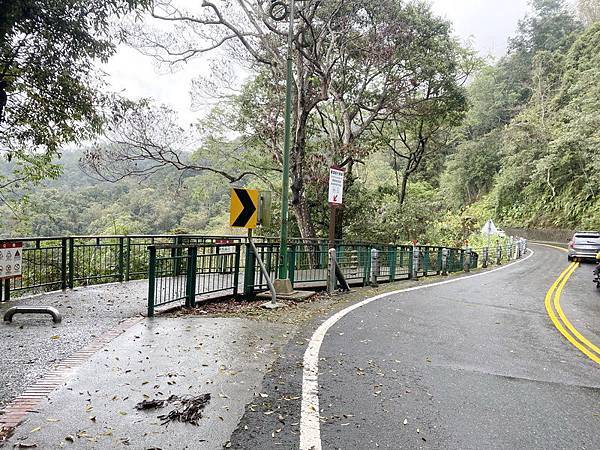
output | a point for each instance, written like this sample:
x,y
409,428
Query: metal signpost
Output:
x,y
336,197
244,213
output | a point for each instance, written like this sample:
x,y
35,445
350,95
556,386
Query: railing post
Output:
x,y
236,269
190,295
486,255
374,266
71,281
466,259
414,263
121,259
444,262
151,280
128,258
331,280
392,262
292,263
498,254
6,290
366,264
249,269
63,264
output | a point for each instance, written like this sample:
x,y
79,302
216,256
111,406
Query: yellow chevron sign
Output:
x,y
243,212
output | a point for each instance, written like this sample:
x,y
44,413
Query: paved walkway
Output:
x,y
32,344
154,359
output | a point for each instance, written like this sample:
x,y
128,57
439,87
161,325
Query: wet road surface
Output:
x,y
472,364
475,363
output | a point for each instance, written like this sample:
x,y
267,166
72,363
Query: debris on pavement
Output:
x,y
153,404
189,411
189,408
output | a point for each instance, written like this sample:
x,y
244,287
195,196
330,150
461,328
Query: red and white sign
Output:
x,y
336,185
225,246
11,260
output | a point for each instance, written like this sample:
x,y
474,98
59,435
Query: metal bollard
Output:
x,y
467,261
375,268
486,254
331,280
498,254
445,252
415,263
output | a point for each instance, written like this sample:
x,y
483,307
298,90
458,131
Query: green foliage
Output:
x,y
47,51
525,153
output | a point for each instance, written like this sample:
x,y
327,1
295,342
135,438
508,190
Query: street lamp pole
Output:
x,y
283,263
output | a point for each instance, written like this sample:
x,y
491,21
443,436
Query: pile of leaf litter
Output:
x,y
187,409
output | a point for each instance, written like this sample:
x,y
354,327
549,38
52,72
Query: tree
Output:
x,y
355,63
53,96
589,11
551,27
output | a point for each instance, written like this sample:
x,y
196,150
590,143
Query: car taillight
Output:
x,y
571,244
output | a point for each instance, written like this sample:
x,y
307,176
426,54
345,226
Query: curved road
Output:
x,y
476,363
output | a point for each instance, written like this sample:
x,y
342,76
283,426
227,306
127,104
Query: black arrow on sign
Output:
x,y
248,211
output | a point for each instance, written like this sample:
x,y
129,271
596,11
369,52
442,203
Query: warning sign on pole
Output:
x,y
243,212
336,185
11,260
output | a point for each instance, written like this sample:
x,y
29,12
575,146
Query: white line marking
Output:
x,y
310,427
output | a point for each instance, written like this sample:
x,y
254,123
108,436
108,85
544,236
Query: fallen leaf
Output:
x,y
36,429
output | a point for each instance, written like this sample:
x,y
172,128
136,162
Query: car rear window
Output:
x,y
588,238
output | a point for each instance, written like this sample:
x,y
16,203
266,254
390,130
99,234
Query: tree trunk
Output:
x,y
402,195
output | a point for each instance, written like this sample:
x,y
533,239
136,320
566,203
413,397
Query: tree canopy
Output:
x,y
54,94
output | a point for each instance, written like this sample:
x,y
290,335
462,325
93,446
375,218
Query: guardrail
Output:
x,y
224,265
187,273
65,262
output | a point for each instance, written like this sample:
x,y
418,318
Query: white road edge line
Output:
x,y
310,427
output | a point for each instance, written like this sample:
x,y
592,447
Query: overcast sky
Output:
x,y
487,24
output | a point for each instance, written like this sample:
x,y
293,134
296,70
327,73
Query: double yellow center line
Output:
x,y
560,321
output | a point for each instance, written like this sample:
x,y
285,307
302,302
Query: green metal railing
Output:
x,y
182,273
54,263
219,266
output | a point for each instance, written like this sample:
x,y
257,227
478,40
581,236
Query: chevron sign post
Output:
x,y
244,208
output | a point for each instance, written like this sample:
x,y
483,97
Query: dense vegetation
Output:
x,y
428,156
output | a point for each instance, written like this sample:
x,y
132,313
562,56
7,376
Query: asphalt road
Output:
x,y
475,363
